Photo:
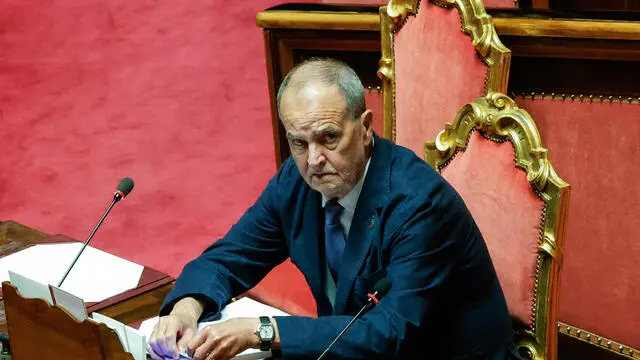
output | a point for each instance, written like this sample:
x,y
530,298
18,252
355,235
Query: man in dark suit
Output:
x,y
349,208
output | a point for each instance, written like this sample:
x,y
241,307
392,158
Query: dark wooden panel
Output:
x,y
574,76
364,62
570,348
596,5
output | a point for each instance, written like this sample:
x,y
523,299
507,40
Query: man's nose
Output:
x,y
316,156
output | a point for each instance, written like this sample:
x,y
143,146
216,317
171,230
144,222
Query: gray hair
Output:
x,y
329,72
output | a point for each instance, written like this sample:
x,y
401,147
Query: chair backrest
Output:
x,y
595,144
501,4
436,55
492,154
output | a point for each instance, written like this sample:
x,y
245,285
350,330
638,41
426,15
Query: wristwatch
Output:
x,y
266,333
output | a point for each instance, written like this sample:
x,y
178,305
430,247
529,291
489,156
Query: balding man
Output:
x,y
349,208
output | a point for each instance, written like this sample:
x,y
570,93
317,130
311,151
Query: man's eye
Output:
x,y
297,143
330,138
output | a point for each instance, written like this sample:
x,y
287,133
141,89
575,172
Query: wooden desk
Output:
x,y
131,306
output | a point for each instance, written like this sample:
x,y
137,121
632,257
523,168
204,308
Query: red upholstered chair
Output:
x,y
436,55
501,4
492,154
595,144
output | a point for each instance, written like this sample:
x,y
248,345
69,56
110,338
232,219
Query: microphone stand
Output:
x,y
364,308
116,198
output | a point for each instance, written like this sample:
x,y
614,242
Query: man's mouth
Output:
x,y
322,175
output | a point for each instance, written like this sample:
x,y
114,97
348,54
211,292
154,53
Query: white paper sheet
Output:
x,y
244,307
137,343
73,304
96,276
30,289
132,340
114,325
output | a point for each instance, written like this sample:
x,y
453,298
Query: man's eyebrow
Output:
x,y
290,136
325,131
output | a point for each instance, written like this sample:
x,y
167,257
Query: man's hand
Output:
x,y
173,332
224,340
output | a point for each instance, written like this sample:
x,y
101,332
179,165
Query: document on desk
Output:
x,y
30,289
96,276
132,340
244,307
73,304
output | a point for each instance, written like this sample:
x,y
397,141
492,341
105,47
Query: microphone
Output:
x,y
124,188
381,289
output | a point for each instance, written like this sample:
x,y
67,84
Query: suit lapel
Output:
x,y
374,191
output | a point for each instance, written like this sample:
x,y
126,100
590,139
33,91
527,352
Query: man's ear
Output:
x,y
366,120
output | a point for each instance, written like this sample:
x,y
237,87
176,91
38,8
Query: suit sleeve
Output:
x,y
421,254
237,262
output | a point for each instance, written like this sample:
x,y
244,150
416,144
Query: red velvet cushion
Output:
x,y
437,70
596,148
507,212
286,288
500,4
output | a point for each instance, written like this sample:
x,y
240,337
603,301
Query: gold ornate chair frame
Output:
x,y
475,22
498,118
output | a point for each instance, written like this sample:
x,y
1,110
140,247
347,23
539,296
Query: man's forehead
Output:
x,y
295,128
311,93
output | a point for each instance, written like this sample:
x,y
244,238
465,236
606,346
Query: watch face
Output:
x,y
266,332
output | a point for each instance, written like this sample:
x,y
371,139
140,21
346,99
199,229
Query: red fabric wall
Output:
x,y
173,94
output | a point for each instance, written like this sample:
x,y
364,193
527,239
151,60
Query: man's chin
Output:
x,y
330,192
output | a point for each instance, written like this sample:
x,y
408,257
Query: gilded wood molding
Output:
x,y
498,118
599,341
386,74
475,22
568,28
282,19
398,10
583,98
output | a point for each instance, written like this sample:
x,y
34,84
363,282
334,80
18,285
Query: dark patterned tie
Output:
x,y
334,240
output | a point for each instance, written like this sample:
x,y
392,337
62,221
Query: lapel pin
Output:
x,y
371,223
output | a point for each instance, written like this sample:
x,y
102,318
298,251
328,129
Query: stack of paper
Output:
x,y
96,276
244,307
132,340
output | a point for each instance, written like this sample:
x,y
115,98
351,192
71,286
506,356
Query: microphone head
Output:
x,y
125,186
382,287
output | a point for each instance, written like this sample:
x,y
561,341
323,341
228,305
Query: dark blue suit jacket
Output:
x,y
409,226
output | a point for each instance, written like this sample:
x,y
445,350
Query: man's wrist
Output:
x,y
276,337
273,342
254,324
188,306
